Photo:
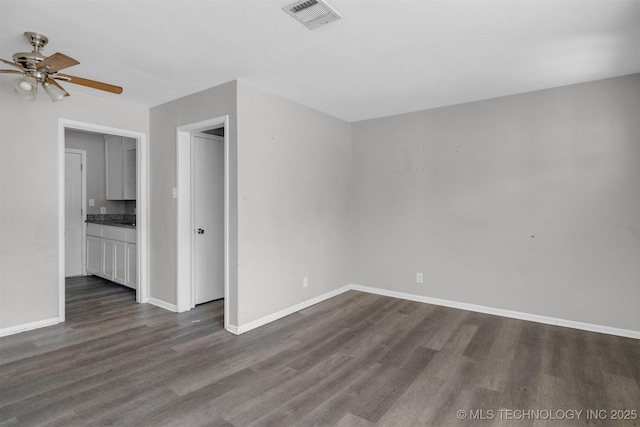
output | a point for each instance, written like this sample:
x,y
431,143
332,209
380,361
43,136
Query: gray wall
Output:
x,y
293,203
528,202
29,194
289,214
93,144
164,119
130,207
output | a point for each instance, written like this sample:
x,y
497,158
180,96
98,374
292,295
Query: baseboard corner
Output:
x,y
241,329
163,304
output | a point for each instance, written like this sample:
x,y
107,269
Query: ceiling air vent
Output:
x,y
312,13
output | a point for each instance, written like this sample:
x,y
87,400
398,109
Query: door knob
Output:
x,y
200,231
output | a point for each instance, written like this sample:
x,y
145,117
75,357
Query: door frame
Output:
x,y
185,227
83,191
142,219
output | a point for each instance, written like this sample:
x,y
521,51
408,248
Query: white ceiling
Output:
x,y
384,57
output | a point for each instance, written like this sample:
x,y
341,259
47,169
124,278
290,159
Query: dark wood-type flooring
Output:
x,y
355,360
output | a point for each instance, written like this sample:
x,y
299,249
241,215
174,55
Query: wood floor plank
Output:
x,y
525,370
384,390
417,400
354,360
215,400
350,420
285,392
334,408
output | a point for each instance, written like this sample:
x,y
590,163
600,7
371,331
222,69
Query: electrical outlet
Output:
x,y
92,202
305,282
103,210
419,278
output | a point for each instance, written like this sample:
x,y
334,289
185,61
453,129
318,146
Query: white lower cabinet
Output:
x,y
108,258
131,277
111,253
94,255
119,262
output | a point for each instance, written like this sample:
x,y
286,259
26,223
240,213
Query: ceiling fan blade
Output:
x,y
15,64
55,83
11,71
57,61
90,83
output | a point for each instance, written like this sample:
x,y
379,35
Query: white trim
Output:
x,y
83,191
142,220
192,221
287,311
227,224
29,326
61,242
183,214
184,228
163,304
501,312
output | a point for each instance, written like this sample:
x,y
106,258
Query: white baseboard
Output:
x,y
287,311
501,312
237,330
163,304
233,329
28,326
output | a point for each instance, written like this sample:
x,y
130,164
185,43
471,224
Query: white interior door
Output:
x,y
208,218
73,213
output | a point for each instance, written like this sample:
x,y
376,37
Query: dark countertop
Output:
x,y
114,220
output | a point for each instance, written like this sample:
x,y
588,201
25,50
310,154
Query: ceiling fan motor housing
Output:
x,y
28,59
31,59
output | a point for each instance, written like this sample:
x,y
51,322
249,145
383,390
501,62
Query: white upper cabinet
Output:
x,y
120,154
129,173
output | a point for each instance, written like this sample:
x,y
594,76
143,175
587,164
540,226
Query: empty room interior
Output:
x,y
310,213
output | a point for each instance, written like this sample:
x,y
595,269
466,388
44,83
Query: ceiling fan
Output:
x,y
37,68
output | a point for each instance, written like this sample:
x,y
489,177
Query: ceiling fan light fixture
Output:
x,y
26,87
54,92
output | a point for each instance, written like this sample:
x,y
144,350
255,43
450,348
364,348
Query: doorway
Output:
x,y
142,294
207,151
74,211
187,228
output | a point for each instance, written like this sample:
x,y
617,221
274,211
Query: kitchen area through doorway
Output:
x,y
101,207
